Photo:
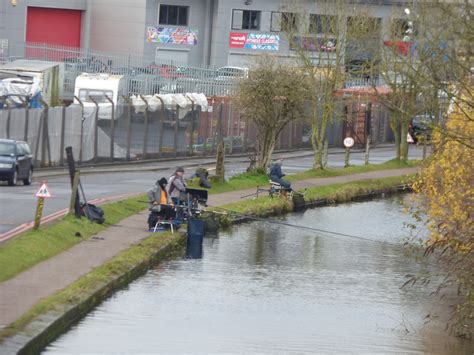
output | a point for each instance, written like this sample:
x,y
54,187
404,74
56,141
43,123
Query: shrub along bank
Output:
x,y
333,193
259,178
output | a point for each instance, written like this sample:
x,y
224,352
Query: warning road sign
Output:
x,y
43,191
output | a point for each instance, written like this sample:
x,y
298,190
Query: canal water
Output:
x,y
266,288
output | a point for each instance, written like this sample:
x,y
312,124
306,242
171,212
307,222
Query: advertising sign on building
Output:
x,y
172,35
259,41
314,44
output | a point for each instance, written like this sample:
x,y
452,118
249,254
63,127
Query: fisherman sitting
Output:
x,y
203,176
276,175
160,209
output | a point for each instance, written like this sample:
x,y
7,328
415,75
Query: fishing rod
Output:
x,y
311,229
226,211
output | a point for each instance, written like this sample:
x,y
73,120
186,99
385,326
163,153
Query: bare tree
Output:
x,y
326,38
273,95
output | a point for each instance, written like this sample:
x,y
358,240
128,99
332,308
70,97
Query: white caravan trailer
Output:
x,y
99,87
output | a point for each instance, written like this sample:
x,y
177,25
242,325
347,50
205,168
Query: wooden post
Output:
x,y
39,212
74,193
72,173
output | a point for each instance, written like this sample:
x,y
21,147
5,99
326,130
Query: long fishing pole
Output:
x,y
286,224
272,221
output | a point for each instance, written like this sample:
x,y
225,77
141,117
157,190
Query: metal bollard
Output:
x,y
96,130
112,128
145,129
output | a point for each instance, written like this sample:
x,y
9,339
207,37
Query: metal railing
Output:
x,y
142,76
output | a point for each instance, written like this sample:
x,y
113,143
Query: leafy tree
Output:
x,y
273,95
446,185
444,52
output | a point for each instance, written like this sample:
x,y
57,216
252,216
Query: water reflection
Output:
x,y
267,288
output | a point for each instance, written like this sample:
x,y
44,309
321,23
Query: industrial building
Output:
x,y
197,32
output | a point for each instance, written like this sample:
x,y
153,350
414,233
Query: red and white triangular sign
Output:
x,y
43,191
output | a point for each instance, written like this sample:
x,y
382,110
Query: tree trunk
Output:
x,y
318,158
403,155
266,139
220,170
394,124
318,136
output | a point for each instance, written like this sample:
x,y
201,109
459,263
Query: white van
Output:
x,y
99,87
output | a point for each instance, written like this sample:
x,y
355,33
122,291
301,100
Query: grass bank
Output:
x,y
28,249
340,192
90,289
253,179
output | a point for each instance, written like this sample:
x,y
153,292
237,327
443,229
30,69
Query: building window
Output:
x,y
284,21
289,22
245,20
361,27
173,15
322,24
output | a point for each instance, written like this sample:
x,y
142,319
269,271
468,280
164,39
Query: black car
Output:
x,y
421,126
16,162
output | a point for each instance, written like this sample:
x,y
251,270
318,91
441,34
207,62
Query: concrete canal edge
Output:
x,y
49,326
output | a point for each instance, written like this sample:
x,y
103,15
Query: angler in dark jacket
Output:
x,y
276,175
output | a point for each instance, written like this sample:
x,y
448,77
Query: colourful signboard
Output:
x,y
314,44
259,41
172,35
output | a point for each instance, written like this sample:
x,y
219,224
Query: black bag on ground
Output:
x,y
93,213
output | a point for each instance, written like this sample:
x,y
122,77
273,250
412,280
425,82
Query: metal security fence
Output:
x,y
142,76
135,134
170,131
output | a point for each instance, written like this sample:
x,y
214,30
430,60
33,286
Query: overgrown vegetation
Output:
x,y
439,65
32,247
446,185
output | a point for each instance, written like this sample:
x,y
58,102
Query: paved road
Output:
x,y
17,204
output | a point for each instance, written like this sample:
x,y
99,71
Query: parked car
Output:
x,y
420,126
16,162
231,73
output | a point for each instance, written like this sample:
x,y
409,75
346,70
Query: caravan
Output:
x,y
100,88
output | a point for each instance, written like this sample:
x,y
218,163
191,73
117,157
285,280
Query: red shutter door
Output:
x,y
53,26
